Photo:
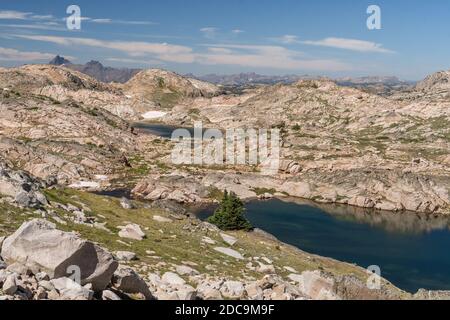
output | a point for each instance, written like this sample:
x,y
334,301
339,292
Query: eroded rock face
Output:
x,y
178,188
21,187
38,245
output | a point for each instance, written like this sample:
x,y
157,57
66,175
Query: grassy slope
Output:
x,y
172,243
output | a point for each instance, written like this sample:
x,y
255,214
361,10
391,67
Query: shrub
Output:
x,y
230,214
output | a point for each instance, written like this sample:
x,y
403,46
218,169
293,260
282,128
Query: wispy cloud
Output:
x,y
43,17
51,26
209,32
117,21
264,56
261,56
14,15
287,39
162,51
237,31
8,54
135,61
350,44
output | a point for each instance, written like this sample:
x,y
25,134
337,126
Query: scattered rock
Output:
x,y
317,286
162,219
126,203
128,281
10,285
296,277
265,268
185,270
132,231
109,295
229,252
70,290
125,255
290,269
39,246
172,279
228,239
208,240
232,289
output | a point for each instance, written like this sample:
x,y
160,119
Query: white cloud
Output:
x,y
113,21
237,31
162,51
350,44
14,15
258,56
8,54
287,39
209,32
53,26
100,20
43,17
134,61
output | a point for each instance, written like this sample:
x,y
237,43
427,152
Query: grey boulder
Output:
x,y
39,246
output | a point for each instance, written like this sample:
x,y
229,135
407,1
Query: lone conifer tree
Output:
x,y
230,214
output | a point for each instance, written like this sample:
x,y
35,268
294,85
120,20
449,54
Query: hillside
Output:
x,y
351,147
167,88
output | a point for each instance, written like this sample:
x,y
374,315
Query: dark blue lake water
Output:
x,y
412,251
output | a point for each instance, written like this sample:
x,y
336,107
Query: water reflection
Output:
x,y
405,222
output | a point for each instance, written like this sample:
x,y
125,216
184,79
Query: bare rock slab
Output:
x,y
39,246
229,252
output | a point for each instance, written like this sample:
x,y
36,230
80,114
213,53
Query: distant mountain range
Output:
x,y
250,78
96,70
121,75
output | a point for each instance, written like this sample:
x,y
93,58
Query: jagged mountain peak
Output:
x,y
59,60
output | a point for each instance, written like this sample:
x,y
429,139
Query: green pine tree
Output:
x,y
230,214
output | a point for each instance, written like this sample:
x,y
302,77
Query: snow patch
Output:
x,y
85,184
101,177
153,114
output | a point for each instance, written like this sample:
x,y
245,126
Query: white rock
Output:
x,y
290,269
187,293
254,291
229,252
208,240
101,177
132,231
185,270
162,219
10,285
126,204
317,286
211,294
47,285
172,279
228,239
39,246
153,115
125,255
296,277
267,260
232,289
85,185
70,290
265,268
109,295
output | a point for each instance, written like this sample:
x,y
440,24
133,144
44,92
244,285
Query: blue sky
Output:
x,y
322,37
